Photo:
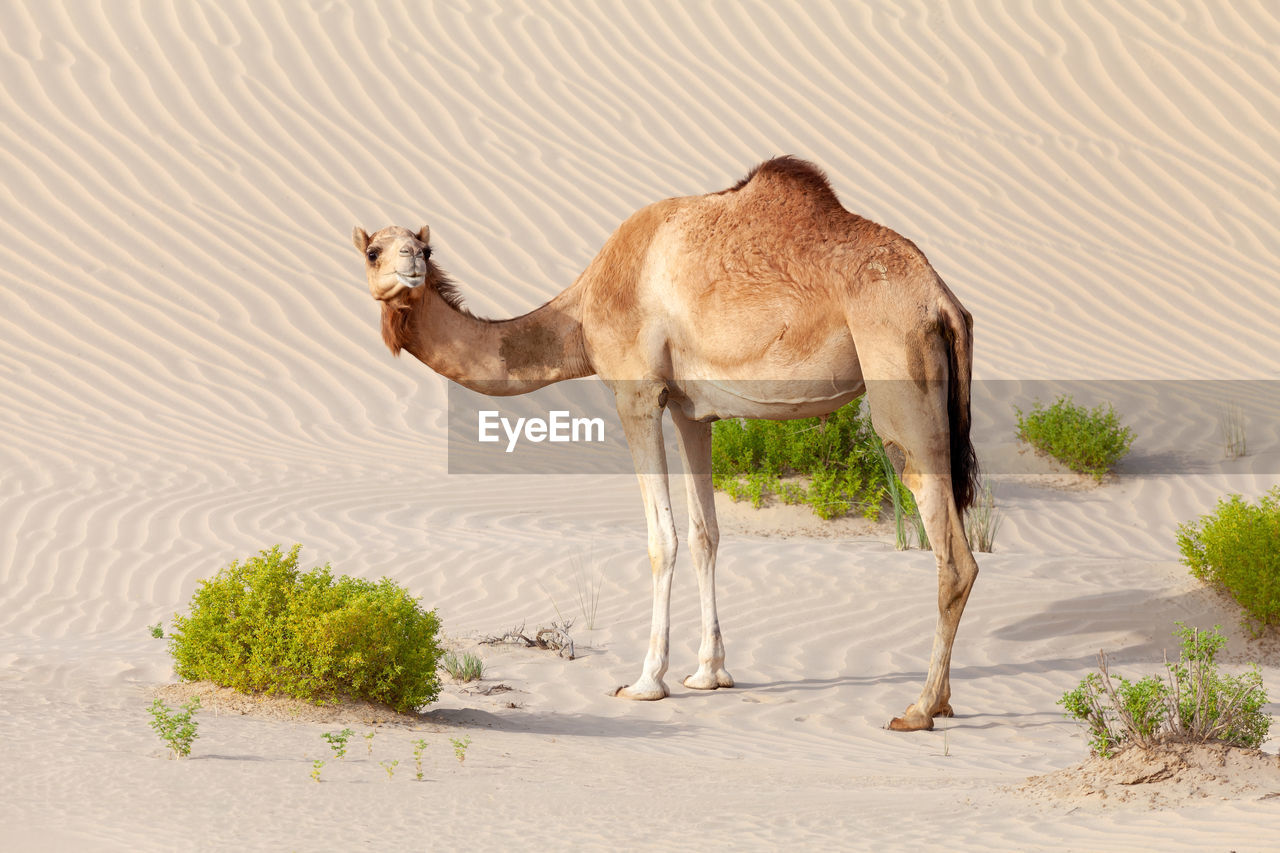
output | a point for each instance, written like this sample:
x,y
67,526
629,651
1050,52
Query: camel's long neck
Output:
x,y
499,358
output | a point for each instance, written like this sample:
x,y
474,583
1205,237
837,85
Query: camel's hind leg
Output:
x,y
704,537
912,415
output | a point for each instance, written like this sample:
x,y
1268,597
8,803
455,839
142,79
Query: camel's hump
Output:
x,y
791,170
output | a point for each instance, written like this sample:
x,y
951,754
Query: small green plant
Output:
x,y
1231,423
1088,441
338,742
156,631
460,747
176,728
469,667
982,521
390,767
264,626
316,767
368,741
1237,548
419,747
1194,702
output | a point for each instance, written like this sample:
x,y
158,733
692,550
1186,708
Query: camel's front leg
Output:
x,y
704,537
640,407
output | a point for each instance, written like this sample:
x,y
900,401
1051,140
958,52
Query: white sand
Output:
x,y
191,370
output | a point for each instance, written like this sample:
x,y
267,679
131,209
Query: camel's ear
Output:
x,y
360,238
425,235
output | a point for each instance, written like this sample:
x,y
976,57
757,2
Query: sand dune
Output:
x,y
191,370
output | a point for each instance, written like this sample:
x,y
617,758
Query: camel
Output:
x,y
765,300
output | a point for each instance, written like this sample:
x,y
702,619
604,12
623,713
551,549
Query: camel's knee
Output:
x,y
955,580
704,536
663,546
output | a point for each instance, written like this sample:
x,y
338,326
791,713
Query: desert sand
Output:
x,y
191,370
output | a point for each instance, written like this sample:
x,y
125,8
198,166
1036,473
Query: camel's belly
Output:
x,y
715,399
777,385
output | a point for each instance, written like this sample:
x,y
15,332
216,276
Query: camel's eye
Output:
x,y
372,255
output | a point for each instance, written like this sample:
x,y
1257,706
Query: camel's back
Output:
x,y
750,281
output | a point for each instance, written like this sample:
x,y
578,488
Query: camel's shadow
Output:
x,y
555,723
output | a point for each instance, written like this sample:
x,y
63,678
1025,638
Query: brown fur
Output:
x,y
397,322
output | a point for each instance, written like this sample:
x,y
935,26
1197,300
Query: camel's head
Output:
x,y
395,259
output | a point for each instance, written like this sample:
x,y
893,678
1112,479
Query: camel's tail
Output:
x,y
957,329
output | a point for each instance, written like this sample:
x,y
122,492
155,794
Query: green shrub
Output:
x,y
263,626
176,728
1194,702
1088,441
1238,548
842,456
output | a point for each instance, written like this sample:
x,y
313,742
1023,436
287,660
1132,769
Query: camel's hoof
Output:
x,y
944,710
911,721
641,694
701,680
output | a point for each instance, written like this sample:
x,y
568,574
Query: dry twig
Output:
x,y
554,638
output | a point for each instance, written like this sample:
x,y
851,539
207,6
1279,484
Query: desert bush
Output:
x,y
178,729
841,455
263,626
468,667
1088,441
1192,703
1237,547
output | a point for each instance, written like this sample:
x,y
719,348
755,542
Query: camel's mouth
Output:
x,y
401,283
